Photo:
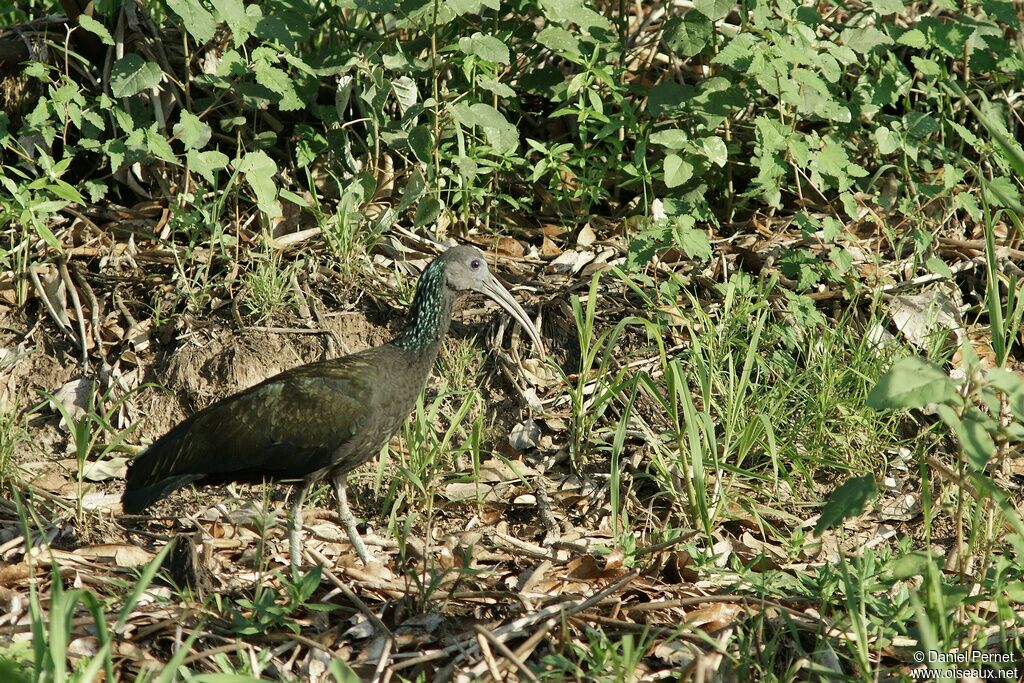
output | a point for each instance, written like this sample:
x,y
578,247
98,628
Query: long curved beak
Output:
x,y
493,289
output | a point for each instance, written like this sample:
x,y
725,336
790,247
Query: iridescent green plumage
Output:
x,y
322,419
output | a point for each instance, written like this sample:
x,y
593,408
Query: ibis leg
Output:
x,y
295,525
349,520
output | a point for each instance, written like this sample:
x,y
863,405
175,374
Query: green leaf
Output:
x,y
920,124
885,7
887,140
240,19
421,141
915,563
567,12
677,170
801,265
427,211
559,40
1002,191
413,190
691,241
405,92
192,131
714,10
206,163
689,35
672,138
495,86
132,74
280,83
864,40
715,149
199,22
158,145
841,259
848,500
500,134
939,267
485,47
1005,381
912,383
927,67
259,170
913,38
977,443
95,27
460,7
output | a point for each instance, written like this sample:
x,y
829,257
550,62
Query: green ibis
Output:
x,y
322,419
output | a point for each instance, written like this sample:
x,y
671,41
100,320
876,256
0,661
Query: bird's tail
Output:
x,y
135,500
152,475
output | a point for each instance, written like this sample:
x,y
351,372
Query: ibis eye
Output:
x,y
474,264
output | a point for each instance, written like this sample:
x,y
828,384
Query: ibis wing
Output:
x,y
286,427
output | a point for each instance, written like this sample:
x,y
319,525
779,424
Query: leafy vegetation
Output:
x,y
777,249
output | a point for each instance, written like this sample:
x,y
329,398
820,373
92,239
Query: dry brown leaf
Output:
x,y
525,435
715,616
120,554
590,568
506,246
102,470
586,236
548,249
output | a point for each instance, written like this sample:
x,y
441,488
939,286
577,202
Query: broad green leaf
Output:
x,y
259,170
280,83
920,124
158,145
1005,380
927,67
206,163
485,47
939,267
689,35
677,170
427,211
494,86
421,141
913,38
885,7
667,97
567,12
132,74
241,19
887,140
196,19
559,40
405,92
287,27
672,138
95,27
1002,191
715,149
714,10
192,131
977,443
848,500
460,7
912,564
841,259
912,383
865,39
691,241
413,190
500,134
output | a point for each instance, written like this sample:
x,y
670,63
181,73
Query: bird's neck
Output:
x,y
430,315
